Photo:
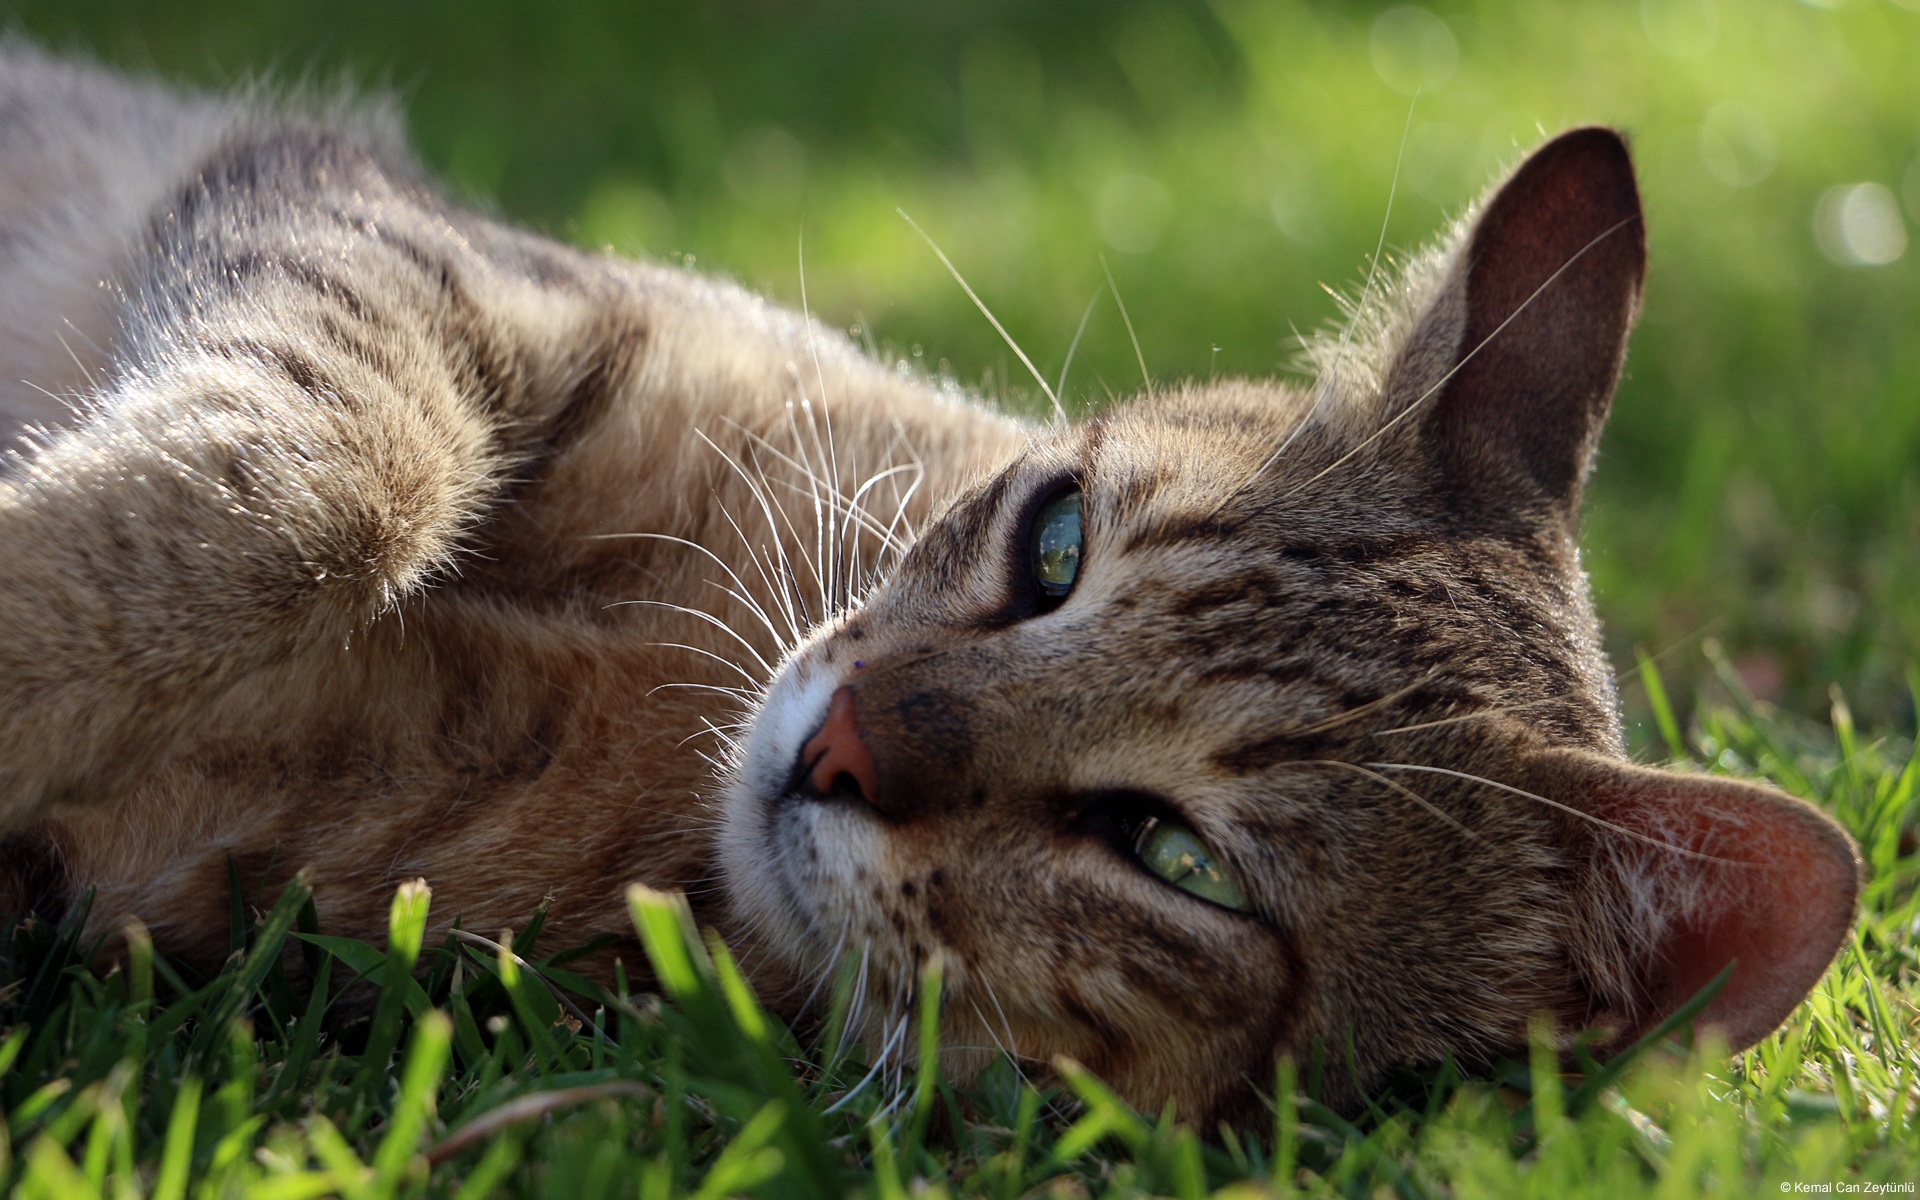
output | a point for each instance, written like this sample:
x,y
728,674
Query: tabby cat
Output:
x,y
353,532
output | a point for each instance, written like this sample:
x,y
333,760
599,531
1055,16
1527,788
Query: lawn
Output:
x,y
1753,532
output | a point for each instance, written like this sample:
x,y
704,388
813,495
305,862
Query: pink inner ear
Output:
x,y
1776,890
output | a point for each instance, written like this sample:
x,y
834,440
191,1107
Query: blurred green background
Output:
x,y
1760,484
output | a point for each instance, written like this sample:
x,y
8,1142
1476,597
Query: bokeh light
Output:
x,y
1859,225
1413,50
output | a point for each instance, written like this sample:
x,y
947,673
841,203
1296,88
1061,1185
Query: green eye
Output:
x,y
1177,855
1056,544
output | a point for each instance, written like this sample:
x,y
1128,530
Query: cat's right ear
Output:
x,y
1684,874
1543,292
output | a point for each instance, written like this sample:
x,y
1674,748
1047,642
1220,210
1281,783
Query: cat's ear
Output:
x,y
1543,292
1686,873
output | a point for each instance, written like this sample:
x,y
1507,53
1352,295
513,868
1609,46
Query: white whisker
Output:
x,y
1074,345
1059,413
703,615
1146,380
1569,809
740,595
1408,792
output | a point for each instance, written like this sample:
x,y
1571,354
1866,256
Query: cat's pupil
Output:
x,y
1056,544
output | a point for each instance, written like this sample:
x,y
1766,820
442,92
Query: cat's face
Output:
x,y
1220,663
1173,740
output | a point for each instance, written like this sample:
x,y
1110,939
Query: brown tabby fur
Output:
x,y
377,540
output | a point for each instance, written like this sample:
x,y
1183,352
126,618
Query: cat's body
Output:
x,y
502,729
371,553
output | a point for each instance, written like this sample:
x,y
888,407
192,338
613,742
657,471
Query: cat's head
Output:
x,y
1245,717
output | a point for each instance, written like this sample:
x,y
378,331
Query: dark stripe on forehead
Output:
x,y
1363,550
974,513
1255,588
1263,754
1092,438
1184,528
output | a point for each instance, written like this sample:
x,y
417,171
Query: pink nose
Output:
x,y
838,749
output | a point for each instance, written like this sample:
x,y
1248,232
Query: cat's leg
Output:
x,y
330,377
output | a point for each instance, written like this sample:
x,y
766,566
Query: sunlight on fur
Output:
x,y
374,538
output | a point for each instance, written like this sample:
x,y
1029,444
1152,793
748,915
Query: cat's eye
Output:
x,y
1176,854
1056,545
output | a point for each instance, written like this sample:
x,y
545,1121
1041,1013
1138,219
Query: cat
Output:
x,y
377,539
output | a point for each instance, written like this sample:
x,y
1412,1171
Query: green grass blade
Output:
x,y
426,1063
1657,700
171,1182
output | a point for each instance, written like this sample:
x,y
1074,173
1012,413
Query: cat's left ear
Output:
x,y
1543,292
1683,874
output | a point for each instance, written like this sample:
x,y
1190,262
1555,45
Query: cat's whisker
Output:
x,y
795,598
779,578
742,694
56,397
857,507
710,619
839,580
1074,345
1361,710
826,417
820,565
1059,413
845,548
833,956
827,492
851,511
1010,1048
774,573
827,543
528,968
901,520
994,997
769,508
92,376
879,1064
857,1010
1408,792
740,594
729,745
757,609
861,573
896,1070
1569,809
813,348
705,653
1146,380
1462,718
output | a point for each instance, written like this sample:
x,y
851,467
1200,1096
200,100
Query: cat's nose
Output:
x,y
837,752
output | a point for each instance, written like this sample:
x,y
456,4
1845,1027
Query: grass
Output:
x,y
475,1068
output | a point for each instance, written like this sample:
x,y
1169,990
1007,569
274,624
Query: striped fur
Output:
x,y
374,538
